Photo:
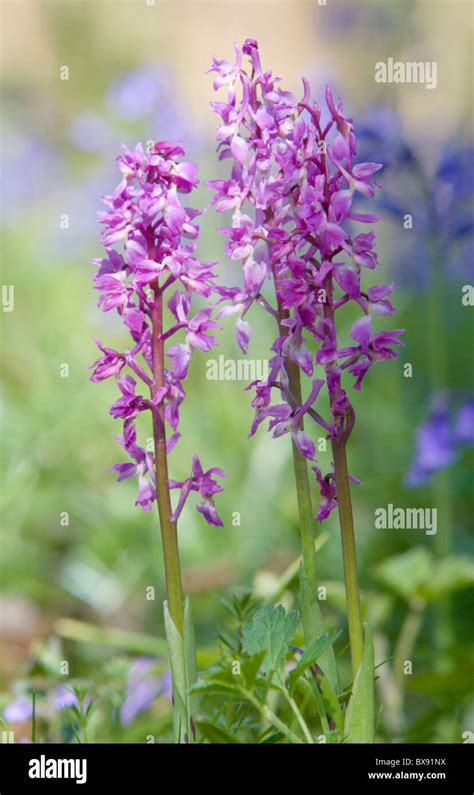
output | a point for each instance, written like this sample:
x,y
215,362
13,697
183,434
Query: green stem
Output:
x,y
273,719
313,624
346,522
168,527
294,708
303,491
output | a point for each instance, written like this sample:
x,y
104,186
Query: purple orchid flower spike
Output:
x,y
295,195
145,217
157,262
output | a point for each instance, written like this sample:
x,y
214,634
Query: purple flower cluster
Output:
x,y
157,235
292,190
21,709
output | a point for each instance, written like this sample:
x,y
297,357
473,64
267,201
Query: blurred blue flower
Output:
x,y
18,711
464,428
64,697
440,203
440,438
148,94
347,17
143,688
138,93
380,138
90,132
28,170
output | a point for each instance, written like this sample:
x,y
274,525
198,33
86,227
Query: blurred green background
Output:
x,y
137,72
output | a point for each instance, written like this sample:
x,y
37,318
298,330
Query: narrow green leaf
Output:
x,y
190,659
183,672
360,716
314,627
331,702
312,653
216,734
271,738
216,685
76,735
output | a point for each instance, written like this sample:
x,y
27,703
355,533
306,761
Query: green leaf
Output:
x,y
271,738
220,680
249,669
216,685
312,653
314,627
334,738
405,574
331,702
360,716
448,575
241,605
182,658
76,735
190,657
271,631
216,735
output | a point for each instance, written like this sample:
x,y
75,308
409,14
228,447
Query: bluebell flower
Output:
x,y
142,688
441,437
18,711
440,204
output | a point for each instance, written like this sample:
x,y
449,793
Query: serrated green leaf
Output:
x,y
249,669
360,715
271,631
314,627
311,654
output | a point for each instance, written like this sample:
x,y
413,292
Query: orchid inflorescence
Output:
x,y
291,190
158,235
